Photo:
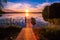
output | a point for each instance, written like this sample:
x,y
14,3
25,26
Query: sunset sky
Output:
x,y
31,5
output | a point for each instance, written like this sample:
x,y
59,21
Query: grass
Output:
x,y
47,33
42,33
9,33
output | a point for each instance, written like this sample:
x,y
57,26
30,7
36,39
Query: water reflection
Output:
x,y
19,19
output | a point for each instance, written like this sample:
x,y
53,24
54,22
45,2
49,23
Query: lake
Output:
x,y
19,18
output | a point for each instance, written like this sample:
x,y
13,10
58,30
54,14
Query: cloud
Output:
x,y
43,5
21,7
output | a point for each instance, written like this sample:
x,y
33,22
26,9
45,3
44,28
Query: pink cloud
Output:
x,y
21,7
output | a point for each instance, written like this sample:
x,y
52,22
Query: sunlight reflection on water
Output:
x,y
38,16
17,15
20,18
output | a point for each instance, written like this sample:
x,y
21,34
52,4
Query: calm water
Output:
x,y
18,15
19,18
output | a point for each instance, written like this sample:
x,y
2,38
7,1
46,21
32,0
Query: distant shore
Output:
x,y
20,12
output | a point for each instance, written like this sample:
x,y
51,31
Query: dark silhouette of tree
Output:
x,y
1,6
1,3
46,12
52,11
55,10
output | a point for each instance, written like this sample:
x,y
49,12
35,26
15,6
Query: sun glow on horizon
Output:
x,y
27,14
27,10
